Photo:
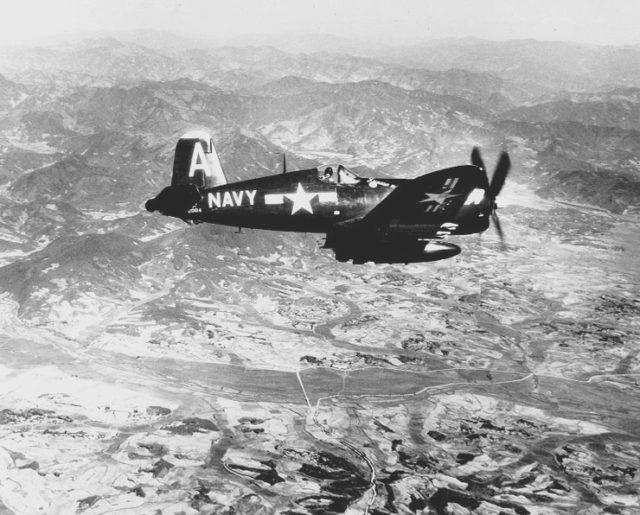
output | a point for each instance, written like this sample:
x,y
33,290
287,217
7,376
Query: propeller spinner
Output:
x,y
495,186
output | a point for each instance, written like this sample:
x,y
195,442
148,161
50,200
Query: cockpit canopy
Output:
x,y
337,174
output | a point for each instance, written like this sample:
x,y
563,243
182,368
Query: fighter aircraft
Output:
x,y
365,219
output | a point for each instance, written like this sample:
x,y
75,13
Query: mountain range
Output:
x,y
197,369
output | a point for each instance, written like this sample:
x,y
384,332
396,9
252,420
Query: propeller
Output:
x,y
495,186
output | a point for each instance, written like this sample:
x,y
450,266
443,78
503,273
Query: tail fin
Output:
x,y
196,162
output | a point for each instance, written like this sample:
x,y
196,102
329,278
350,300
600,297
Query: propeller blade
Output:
x,y
500,174
476,158
496,223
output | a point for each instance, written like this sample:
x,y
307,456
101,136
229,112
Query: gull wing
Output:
x,y
434,197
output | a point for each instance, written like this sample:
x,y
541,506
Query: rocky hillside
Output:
x,y
150,365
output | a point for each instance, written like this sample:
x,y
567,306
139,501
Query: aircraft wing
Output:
x,y
434,197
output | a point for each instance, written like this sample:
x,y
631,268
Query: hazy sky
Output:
x,y
388,21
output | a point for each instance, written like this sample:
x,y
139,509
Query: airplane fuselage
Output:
x,y
295,201
301,201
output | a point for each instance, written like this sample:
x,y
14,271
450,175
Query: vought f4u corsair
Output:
x,y
365,219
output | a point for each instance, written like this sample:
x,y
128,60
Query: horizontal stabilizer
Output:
x,y
175,200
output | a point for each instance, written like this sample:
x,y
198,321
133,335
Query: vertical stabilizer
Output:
x,y
196,162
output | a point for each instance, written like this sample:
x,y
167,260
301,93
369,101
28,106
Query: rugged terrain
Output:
x,y
149,366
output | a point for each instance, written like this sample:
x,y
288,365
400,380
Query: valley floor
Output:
x,y
494,382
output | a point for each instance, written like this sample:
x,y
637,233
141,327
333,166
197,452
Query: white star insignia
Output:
x,y
301,200
440,198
